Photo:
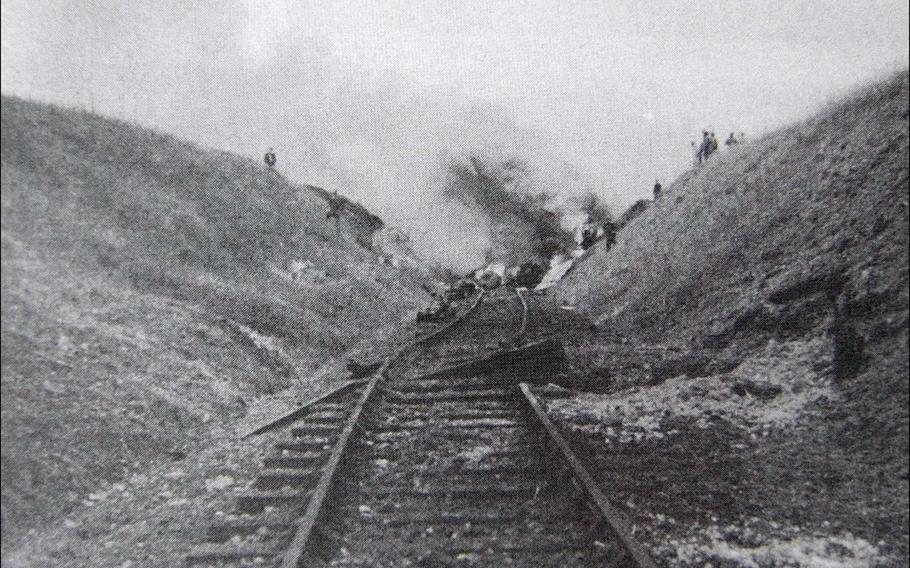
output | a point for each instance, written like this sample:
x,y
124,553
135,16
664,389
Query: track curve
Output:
x,y
439,459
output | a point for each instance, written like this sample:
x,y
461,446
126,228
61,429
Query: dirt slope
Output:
x,y
154,294
752,329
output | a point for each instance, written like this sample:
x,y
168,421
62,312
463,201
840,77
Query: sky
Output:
x,y
373,98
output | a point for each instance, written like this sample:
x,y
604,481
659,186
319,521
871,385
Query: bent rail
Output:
x,y
524,317
616,520
303,408
295,552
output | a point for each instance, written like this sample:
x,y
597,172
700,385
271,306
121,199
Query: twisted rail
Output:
x,y
295,552
524,317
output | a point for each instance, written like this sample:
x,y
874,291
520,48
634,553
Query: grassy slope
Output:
x,y
828,195
124,252
767,243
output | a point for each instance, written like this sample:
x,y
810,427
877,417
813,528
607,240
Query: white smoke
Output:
x,y
333,122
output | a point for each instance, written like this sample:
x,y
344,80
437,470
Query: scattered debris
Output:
x,y
529,275
768,391
747,546
359,370
219,482
461,290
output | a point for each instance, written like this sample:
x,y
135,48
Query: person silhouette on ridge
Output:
x,y
336,204
270,159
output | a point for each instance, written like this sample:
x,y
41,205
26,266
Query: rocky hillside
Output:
x,y
154,293
752,329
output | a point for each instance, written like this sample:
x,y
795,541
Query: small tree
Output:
x,y
598,213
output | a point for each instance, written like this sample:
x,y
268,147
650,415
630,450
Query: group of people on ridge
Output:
x,y
709,145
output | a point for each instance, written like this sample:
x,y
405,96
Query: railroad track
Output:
x,y
459,467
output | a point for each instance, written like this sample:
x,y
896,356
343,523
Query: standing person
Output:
x,y
731,141
657,189
715,145
270,159
610,230
588,236
704,149
336,204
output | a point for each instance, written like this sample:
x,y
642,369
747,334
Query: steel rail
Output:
x,y
293,415
295,552
614,518
524,317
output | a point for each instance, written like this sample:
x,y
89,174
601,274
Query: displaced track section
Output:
x,y
455,466
272,525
